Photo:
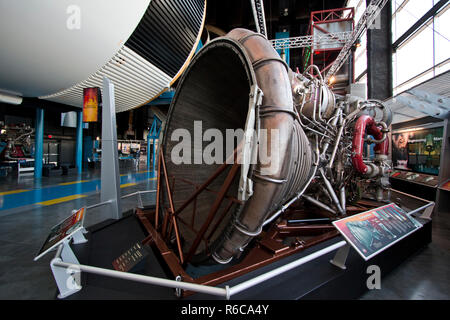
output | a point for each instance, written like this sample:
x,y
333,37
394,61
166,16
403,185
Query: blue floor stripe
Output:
x,y
53,192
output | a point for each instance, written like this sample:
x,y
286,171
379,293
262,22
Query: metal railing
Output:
x,y
138,193
141,205
226,292
67,269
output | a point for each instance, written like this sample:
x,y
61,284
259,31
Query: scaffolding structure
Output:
x,y
330,24
367,20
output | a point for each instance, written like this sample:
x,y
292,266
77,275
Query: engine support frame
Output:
x,y
278,241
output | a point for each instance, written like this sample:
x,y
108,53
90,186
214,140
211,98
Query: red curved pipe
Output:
x,y
364,123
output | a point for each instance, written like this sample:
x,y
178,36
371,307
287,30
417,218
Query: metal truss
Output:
x,y
367,19
338,39
258,14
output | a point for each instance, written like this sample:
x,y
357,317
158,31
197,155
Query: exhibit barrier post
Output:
x,y
428,210
67,279
78,237
341,257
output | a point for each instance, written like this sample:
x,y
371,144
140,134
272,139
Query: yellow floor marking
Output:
x,y
127,185
131,173
73,182
63,199
14,191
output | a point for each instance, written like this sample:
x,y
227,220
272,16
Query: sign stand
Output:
x,y
373,231
78,237
341,257
68,279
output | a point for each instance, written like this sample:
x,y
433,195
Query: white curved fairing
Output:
x,y
47,46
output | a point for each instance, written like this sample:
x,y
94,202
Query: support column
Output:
x,y
284,53
148,151
110,178
79,151
154,156
39,142
379,55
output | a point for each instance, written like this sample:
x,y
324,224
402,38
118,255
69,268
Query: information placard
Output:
x,y
131,258
373,231
62,231
90,104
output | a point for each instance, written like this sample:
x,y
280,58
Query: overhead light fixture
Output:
x,y
11,99
356,45
332,80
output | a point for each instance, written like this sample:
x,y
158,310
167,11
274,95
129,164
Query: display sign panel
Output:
x,y
446,185
373,231
135,146
417,150
130,258
62,231
69,119
126,148
90,104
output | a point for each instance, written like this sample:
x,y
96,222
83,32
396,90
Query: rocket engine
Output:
x,y
315,140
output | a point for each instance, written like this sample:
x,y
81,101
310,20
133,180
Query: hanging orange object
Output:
x,y
90,104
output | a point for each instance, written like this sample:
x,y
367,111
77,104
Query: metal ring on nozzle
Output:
x,y
387,112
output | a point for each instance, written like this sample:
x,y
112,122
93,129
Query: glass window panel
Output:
x,y
414,56
359,10
427,53
405,17
442,67
360,61
396,4
418,80
442,35
363,79
351,3
364,40
394,70
360,7
360,52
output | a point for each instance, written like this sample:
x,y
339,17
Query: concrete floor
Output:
x,y
24,229
426,275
